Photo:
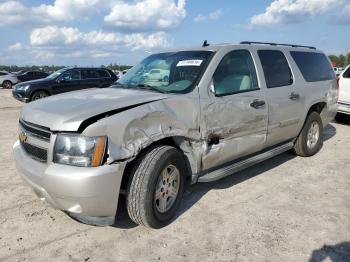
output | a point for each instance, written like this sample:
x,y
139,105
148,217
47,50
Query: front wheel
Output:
x,y
310,139
39,95
156,186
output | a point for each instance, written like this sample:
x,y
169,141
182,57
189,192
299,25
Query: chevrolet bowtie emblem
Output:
x,y
23,137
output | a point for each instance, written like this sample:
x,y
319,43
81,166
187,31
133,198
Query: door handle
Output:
x,y
294,96
258,104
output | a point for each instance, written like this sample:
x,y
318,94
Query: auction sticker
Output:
x,y
189,63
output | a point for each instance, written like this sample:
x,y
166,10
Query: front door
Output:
x,y
68,81
235,119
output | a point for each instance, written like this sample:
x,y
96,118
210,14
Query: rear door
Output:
x,y
285,106
236,117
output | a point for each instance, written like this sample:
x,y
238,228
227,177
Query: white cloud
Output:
x,y
293,11
344,16
12,12
15,47
58,36
212,16
63,10
146,14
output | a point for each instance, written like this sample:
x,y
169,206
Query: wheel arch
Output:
x,y
183,144
39,90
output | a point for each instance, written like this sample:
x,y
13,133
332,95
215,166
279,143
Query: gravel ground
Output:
x,y
285,209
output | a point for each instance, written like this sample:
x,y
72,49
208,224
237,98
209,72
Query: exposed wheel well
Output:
x,y
318,107
165,141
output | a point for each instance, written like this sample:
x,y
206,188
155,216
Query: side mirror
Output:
x,y
61,80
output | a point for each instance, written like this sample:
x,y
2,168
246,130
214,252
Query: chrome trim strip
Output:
x,y
231,169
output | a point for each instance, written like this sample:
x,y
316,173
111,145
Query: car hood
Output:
x,y
66,112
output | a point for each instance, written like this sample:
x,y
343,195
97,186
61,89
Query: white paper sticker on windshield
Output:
x,y
189,63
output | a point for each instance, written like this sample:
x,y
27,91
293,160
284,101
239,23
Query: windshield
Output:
x,y
174,72
56,74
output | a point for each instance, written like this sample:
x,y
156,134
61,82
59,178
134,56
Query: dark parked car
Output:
x,y
31,75
64,80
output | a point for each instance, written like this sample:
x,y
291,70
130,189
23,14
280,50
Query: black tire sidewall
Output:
x,y
157,219
4,84
37,93
313,117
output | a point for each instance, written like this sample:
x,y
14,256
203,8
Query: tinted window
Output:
x,y
103,73
89,74
235,73
3,74
276,68
347,73
71,75
313,66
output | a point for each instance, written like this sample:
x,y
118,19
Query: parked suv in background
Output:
x,y
31,75
7,80
224,108
344,94
64,80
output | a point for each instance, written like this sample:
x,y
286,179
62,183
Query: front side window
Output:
x,y
173,72
71,75
313,66
276,69
235,73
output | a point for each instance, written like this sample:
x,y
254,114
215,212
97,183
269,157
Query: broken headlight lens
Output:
x,y
78,150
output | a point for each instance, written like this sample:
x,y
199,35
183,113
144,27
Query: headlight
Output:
x,y
76,150
22,87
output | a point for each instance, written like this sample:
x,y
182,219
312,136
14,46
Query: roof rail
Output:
x,y
275,44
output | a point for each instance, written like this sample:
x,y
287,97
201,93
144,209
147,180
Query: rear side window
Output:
x,y
276,69
3,74
103,73
313,66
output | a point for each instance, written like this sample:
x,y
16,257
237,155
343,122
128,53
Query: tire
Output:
x,y
148,201
7,84
39,95
310,139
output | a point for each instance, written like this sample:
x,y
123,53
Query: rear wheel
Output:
x,y
310,139
156,186
7,84
39,95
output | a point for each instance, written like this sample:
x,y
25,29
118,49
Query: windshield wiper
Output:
x,y
148,87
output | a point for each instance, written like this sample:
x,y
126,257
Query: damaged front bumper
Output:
x,y
89,194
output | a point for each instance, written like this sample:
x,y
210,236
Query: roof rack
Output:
x,y
275,44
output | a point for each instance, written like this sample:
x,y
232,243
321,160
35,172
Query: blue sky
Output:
x,y
95,32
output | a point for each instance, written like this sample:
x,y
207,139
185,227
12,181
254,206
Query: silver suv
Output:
x,y
220,109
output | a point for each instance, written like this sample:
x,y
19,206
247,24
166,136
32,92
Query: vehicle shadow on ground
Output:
x,y
334,253
329,132
194,193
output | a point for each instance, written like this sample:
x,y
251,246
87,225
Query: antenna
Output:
x,y
205,43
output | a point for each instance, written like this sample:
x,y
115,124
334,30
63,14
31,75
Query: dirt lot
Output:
x,y
285,209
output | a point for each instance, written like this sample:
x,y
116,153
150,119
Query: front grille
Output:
x,y
31,138
38,131
35,152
